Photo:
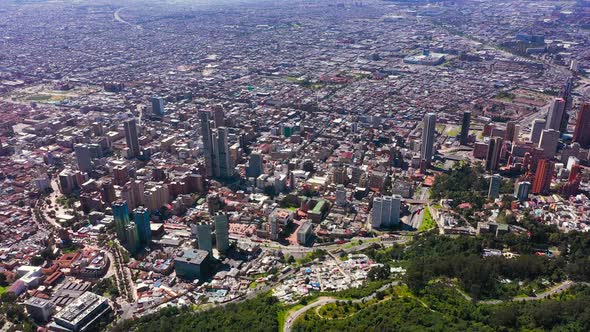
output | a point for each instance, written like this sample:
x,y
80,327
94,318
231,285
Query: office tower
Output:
x,y
221,233
131,138
386,211
159,173
582,130
205,118
218,116
340,195
428,131
493,155
157,106
549,141
566,94
537,129
121,217
340,175
543,176
555,114
464,136
204,239
511,131
522,190
575,171
131,241
273,229
107,192
254,169
495,183
83,157
141,217
222,165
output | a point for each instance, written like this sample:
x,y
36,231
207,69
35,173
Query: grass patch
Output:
x,y
427,221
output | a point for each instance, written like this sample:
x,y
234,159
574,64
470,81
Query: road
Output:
x,y
327,300
118,17
553,291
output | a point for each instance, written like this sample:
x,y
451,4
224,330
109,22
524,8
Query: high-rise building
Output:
x,y
511,131
218,116
537,129
340,195
107,192
254,168
132,238
340,175
273,229
221,233
121,217
141,217
555,114
464,136
495,184
582,130
222,164
543,176
131,138
83,157
522,190
204,238
386,211
157,106
205,118
428,132
493,155
549,141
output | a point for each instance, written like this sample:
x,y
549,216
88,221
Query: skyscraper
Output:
x,y
428,131
131,138
582,130
221,232
218,116
222,165
511,131
340,195
254,165
537,129
83,157
205,118
463,138
543,176
204,239
141,217
522,190
121,217
157,106
549,141
386,211
131,238
495,183
107,192
493,155
555,114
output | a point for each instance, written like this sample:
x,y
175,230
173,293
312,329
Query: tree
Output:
x,y
379,273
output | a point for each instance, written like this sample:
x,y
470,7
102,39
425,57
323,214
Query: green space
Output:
x,y
441,308
427,221
258,314
3,289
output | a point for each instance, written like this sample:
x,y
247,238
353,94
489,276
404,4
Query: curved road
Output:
x,y
118,17
327,300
